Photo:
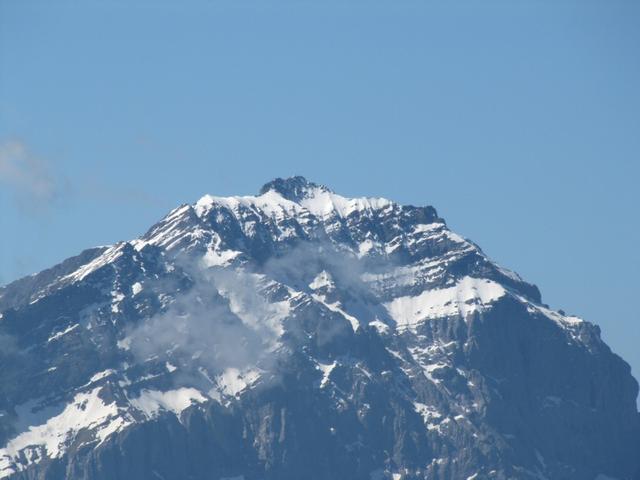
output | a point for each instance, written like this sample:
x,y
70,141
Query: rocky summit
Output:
x,y
299,334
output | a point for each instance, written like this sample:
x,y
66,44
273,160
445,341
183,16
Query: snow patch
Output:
x,y
57,335
336,307
170,368
323,279
109,255
323,203
365,247
233,381
270,204
51,439
221,258
381,327
326,370
467,296
151,402
553,315
430,415
101,375
136,288
427,227
117,298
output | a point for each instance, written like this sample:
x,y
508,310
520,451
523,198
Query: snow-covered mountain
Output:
x,y
299,334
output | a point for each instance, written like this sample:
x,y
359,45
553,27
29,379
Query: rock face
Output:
x,y
299,334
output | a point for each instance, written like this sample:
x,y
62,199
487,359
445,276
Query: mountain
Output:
x,y
299,334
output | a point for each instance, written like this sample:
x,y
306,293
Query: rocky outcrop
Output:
x,y
302,334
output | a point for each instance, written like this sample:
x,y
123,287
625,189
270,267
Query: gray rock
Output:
x,y
300,334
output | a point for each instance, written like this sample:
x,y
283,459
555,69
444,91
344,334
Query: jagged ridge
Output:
x,y
300,333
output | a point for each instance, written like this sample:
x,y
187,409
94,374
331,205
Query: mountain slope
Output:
x,y
302,334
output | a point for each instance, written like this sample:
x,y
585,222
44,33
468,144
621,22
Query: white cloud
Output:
x,y
27,175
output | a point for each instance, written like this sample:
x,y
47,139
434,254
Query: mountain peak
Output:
x,y
303,334
294,188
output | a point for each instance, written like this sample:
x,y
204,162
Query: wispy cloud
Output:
x,y
221,322
28,176
235,318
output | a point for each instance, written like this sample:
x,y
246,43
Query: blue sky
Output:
x,y
519,121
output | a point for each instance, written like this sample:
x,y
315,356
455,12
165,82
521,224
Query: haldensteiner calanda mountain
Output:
x,y
299,334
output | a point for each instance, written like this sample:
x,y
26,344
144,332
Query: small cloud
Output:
x,y
28,176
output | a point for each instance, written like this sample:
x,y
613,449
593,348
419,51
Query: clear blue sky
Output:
x,y
519,121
